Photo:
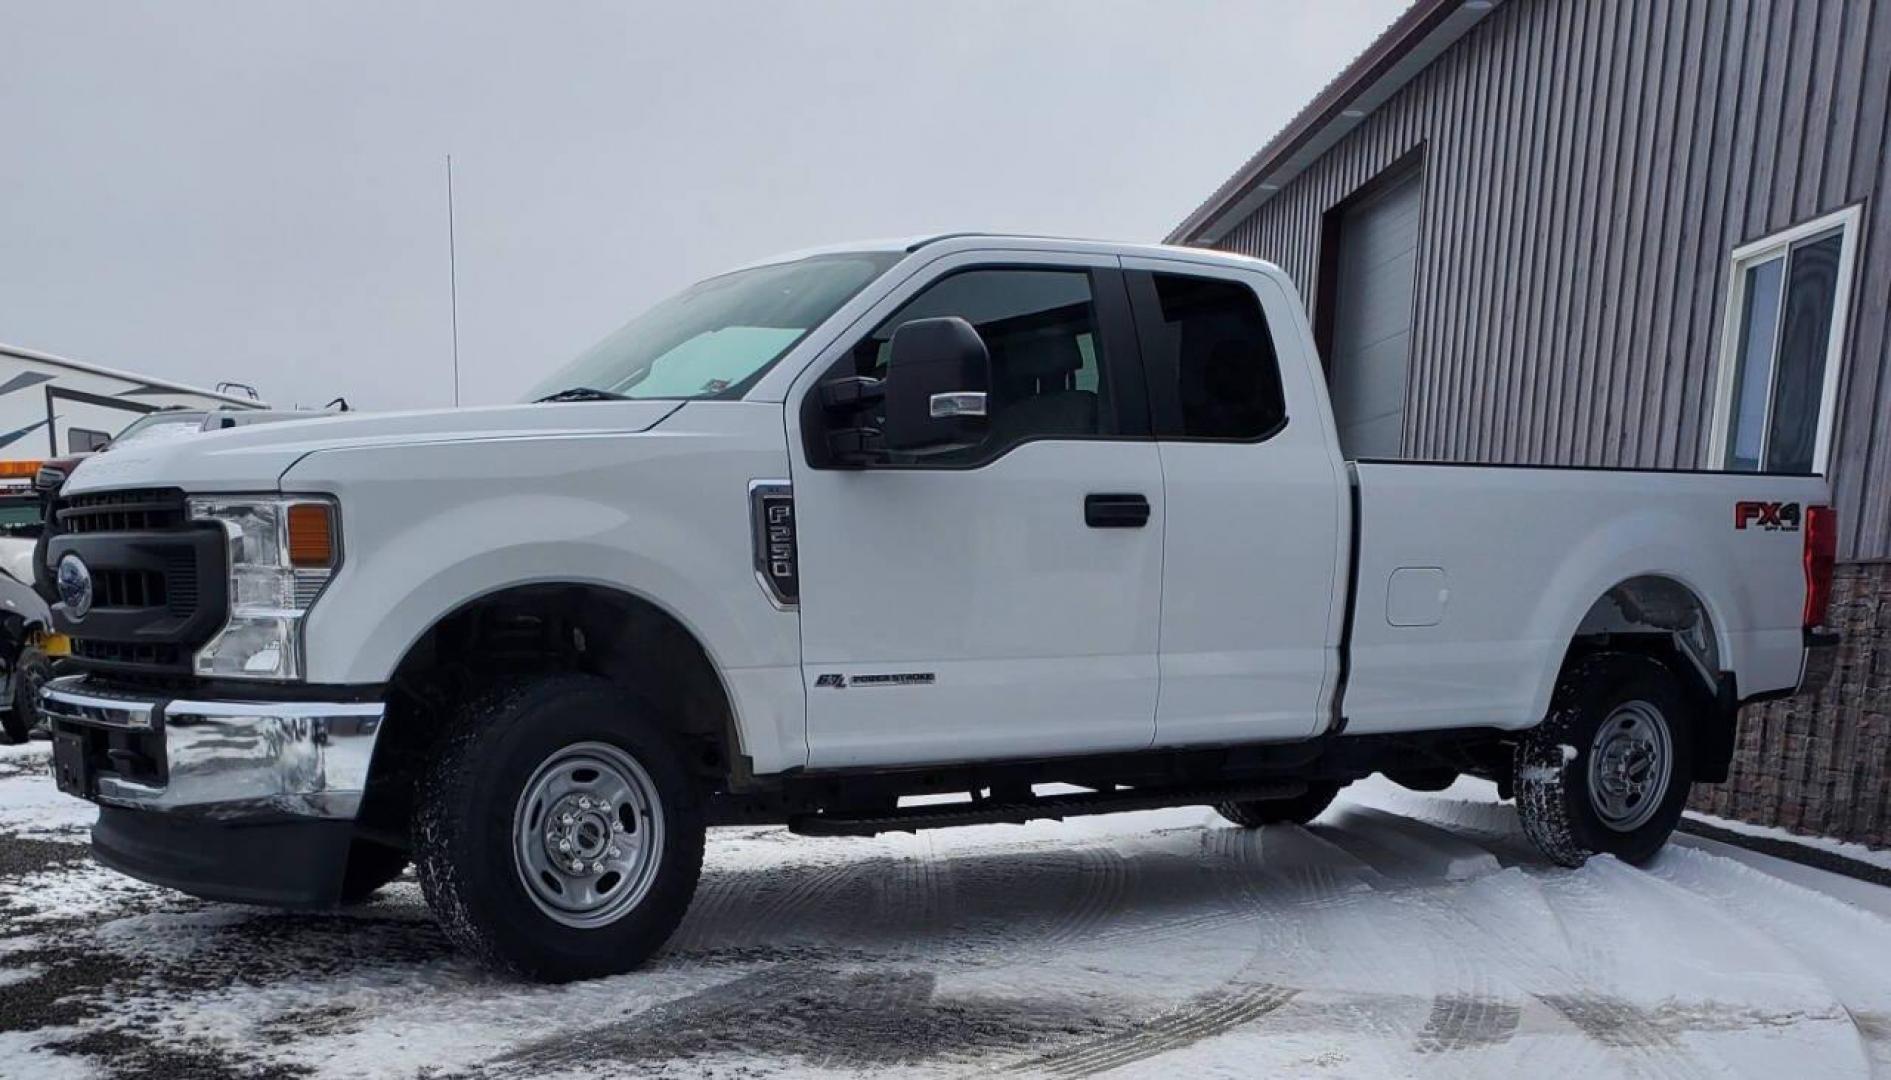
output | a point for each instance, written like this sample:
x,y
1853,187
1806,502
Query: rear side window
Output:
x,y
1210,358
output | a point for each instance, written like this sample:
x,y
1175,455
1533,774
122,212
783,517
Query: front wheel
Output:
x,y
558,834
1608,770
30,672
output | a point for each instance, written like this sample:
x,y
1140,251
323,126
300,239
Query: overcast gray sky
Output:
x,y
252,190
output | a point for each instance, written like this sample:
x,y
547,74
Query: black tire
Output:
x,y
1562,811
370,866
1298,810
35,668
22,715
464,840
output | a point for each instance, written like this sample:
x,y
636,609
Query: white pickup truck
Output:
x,y
1058,527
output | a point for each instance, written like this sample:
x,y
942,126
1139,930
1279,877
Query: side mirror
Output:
x,y
937,378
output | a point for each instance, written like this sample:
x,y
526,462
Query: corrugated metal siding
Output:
x,y
1590,165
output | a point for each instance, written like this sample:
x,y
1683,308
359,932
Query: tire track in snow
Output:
x,y
1497,908
1103,882
1181,1027
1663,894
1468,1009
1281,906
1809,925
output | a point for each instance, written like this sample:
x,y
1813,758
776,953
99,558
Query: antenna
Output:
x,y
453,279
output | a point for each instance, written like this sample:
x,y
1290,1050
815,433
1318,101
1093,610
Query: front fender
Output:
x,y
663,516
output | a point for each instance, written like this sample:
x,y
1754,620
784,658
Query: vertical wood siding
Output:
x,y
1589,167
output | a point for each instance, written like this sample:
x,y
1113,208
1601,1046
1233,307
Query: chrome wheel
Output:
x,y
588,835
1631,763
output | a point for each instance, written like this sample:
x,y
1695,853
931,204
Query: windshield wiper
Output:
x,y
583,393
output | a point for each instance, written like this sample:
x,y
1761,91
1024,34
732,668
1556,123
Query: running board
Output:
x,y
1052,807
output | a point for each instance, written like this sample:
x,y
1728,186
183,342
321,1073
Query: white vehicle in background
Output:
x,y
52,406
972,514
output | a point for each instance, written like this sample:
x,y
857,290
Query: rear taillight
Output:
x,y
1821,554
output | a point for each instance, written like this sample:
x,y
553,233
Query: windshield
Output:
x,y
717,337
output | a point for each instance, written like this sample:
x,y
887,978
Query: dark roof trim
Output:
x,y
1427,29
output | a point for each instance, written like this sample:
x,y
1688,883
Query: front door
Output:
x,y
998,601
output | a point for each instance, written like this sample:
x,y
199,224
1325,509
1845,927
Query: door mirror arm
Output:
x,y
849,401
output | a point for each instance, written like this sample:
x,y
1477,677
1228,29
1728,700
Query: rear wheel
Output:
x,y
1298,810
1609,770
558,835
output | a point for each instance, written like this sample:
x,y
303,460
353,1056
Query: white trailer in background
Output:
x,y
50,405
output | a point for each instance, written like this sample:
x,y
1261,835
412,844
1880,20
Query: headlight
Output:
x,y
282,553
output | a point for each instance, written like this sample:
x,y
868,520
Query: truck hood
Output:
x,y
255,458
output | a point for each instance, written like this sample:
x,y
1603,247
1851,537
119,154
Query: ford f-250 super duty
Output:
x,y
1061,527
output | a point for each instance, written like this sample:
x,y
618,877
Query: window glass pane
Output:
x,y
1046,353
84,440
1804,338
1753,373
715,338
1221,355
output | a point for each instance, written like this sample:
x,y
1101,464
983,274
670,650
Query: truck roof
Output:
x,y
1021,242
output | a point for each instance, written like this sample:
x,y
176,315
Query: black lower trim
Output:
x,y
289,863
1040,807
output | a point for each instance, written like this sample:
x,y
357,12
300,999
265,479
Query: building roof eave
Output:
x,y
1394,58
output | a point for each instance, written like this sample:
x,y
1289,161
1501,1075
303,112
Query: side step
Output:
x,y
1053,807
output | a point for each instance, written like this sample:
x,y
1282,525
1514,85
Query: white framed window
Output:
x,y
1781,346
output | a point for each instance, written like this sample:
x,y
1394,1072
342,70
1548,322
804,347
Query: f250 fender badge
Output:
x,y
1770,516
905,678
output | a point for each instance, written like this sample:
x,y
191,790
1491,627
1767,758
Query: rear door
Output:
x,y
982,604
1256,506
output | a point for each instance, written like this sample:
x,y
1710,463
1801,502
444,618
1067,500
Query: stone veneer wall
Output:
x,y
1820,764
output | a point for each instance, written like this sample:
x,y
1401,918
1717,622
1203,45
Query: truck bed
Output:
x,y
1472,579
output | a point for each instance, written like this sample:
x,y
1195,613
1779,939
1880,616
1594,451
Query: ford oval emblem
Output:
x,y
75,586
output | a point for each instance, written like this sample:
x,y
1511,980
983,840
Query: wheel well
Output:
x,y
545,628
1664,619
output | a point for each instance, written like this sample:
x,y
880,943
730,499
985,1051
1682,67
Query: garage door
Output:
x,y
1372,319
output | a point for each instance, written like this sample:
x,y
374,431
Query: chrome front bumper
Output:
x,y
216,759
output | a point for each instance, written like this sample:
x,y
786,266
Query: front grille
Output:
x,y
159,581
123,511
129,589
145,654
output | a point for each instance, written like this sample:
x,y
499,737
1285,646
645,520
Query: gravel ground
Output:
x,y
1428,942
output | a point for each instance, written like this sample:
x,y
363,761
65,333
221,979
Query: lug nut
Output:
x,y
614,853
584,802
567,819
564,845
597,867
577,866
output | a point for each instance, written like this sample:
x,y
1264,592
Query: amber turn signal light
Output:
x,y
311,536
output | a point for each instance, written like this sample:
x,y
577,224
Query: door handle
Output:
x,y
1115,511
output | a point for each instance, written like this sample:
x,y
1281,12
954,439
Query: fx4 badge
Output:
x,y
1770,516
905,678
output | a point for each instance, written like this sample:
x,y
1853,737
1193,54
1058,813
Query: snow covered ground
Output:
x,y
1400,935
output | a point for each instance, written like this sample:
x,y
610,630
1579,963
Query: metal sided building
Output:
x,y
1649,233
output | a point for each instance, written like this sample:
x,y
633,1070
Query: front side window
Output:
x,y
717,337
1784,342
1041,329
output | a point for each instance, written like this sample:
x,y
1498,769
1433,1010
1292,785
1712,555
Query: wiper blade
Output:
x,y
583,393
